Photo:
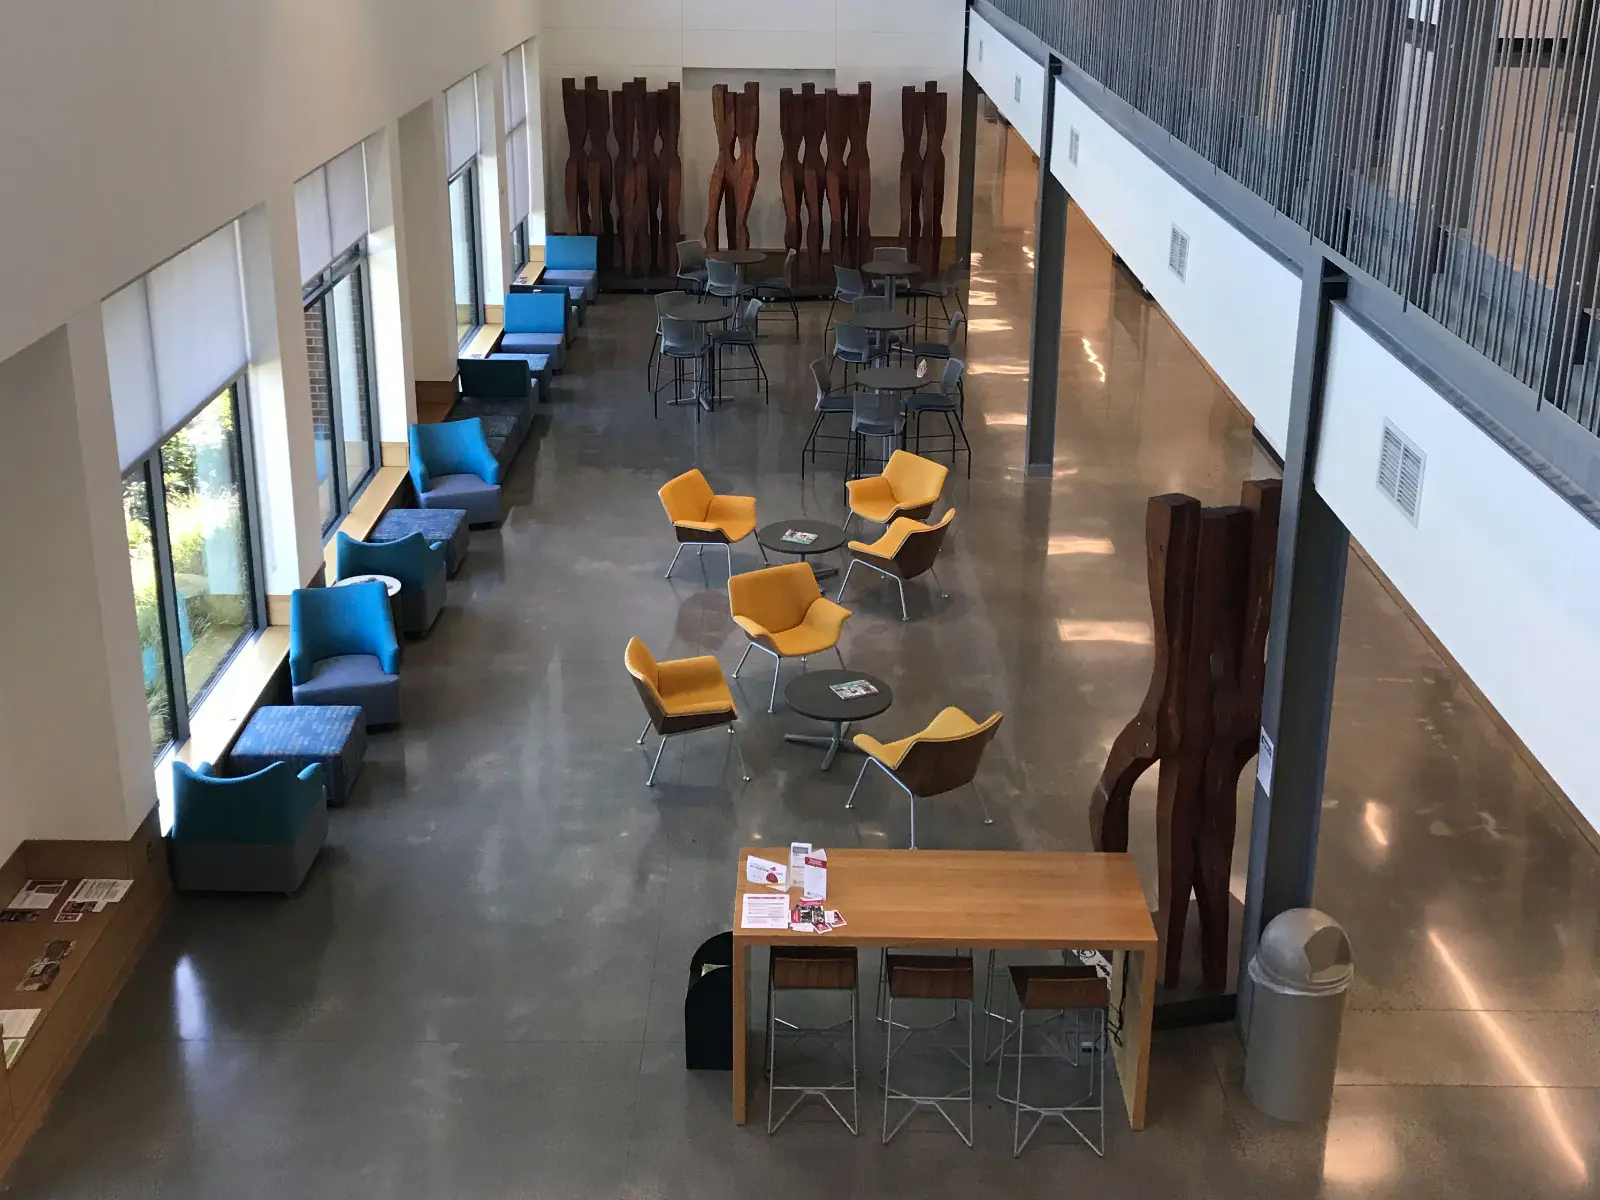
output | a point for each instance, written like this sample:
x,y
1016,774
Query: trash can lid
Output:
x,y
1303,950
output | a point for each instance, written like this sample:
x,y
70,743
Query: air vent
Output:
x,y
1400,466
1178,253
980,49
1072,146
1016,90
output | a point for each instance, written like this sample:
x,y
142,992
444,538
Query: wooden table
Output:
x,y
978,900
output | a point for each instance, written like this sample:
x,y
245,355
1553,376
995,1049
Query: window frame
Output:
x,y
519,246
181,705
469,174
352,261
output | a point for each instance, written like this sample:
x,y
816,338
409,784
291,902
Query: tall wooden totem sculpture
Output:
x,y
666,178
923,118
737,116
588,174
628,113
847,175
1211,572
789,180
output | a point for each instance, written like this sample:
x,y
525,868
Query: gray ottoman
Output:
x,y
334,735
447,525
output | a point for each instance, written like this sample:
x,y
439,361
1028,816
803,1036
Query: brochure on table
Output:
x,y
807,869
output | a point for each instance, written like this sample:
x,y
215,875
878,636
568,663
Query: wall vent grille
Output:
x,y
1400,466
1072,146
1016,89
1178,253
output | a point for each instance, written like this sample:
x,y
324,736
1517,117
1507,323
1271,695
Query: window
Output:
x,y
337,339
519,245
190,553
464,252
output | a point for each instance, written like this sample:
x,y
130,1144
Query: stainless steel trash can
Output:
x,y
1299,976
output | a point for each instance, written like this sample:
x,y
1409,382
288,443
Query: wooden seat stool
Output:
x,y
812,969
926,977
1059,990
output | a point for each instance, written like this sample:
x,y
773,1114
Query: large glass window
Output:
x,y
519,245
341,385
189,550
464,252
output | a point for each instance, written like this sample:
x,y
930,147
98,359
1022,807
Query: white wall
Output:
x,y
890,43
1237,305
1504,572
130,130
1013,80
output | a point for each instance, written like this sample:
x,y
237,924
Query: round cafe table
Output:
x,y
813,695
892,269
739,258
829,538
891,379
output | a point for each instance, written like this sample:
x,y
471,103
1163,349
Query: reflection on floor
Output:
x,y
478,993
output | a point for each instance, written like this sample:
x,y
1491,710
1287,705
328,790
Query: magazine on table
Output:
x,y
799,537
853,689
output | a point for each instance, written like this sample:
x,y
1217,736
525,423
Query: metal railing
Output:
x,y
1449,148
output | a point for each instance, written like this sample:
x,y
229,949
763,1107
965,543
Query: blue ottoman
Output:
x,y
447,525
333,735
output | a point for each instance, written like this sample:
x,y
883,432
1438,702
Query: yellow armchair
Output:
x,y
682,695
906,550
701,518
785,614
909,487
937,759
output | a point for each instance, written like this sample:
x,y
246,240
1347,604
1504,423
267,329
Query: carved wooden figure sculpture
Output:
x,y
937,113
838,133
576,112
913,118
722,120
789,133
599,160
859,202
813,123
624,119
1210,574
746,170
668,178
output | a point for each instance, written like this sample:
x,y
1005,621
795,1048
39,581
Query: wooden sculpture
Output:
x,y
837,124
737,117
1210,574
626,120
599,160
913,120
666,186
813,167
858,196
789,134
576,112
923,117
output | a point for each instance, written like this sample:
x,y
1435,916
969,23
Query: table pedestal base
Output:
x,y
833,743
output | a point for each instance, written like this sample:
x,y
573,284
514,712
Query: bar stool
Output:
x,y
1059,990
811,969
926,977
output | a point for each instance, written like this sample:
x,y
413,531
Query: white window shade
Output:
x,y
330,210
517,171
516,88
461,123
174,339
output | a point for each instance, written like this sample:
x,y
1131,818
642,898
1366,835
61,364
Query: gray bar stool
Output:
x,y
1059,990
812,969
926,977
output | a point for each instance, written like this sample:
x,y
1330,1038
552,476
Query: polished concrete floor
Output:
x,y
477,995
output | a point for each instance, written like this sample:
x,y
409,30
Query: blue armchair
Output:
x,y
453,466
573,260
258,833
536,323
343,650
416,562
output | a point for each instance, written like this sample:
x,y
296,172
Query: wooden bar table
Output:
x,y
978,900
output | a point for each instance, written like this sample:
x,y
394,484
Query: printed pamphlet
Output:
x,y
46,967
762,870
39,894
853,689
798,537
816,876
764,910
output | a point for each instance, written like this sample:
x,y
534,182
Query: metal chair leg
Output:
x,y
643,735
840,653
942,593
744,769
904,614
851,803
650,781
674,562
742,657
987,819
777,670
845,582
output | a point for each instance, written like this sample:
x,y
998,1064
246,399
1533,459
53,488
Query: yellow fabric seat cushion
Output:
x,y
818,630
734,515
949,725
691,504
893,538
782,608
692,686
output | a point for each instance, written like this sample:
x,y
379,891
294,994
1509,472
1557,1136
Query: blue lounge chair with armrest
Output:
x,y
343,649
453,466
416,562
573,260
257,833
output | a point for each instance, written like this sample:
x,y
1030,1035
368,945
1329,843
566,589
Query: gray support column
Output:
x,y
1049,273
1302,644
967,167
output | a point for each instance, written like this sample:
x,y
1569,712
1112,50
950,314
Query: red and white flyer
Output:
x,y
815,882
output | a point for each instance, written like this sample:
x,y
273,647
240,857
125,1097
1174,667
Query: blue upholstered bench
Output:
x,y
333,735
447,525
